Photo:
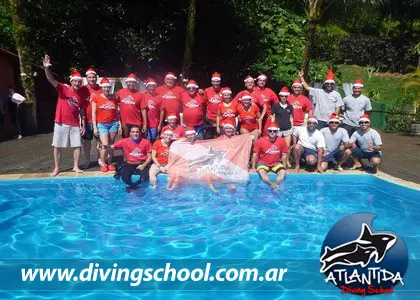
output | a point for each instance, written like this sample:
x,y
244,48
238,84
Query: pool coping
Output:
x,y
99,174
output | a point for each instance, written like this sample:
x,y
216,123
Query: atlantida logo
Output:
x,y
360,260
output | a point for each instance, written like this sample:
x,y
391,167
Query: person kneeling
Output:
x,y
337,146
160,155
137,155
271,153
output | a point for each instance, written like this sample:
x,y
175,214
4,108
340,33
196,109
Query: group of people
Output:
x,y
289,129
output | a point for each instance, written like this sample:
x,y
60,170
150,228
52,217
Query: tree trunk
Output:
x,y
20,34
310,35
189,40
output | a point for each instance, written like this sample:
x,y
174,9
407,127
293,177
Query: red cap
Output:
x,y
284,91
172,116
313,119
170,75
226,90
262,76
190,130
297,82
90,70
358,83
150,81
330,77
131,77
75,75
364,118
216,76
334,118
273,126
228,123
105,82
192,83
249,78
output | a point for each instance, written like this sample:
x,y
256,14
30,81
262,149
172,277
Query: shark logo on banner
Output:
x,y
216,160
361,261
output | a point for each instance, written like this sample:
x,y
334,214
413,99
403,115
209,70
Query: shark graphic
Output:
x,y
210,158
359,251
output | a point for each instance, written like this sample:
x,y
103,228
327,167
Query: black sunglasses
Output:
x,y
364,122
334,122
312,123
271,130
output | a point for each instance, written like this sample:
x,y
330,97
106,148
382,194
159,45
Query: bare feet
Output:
x,y
54,173
275,186
77,170
296,170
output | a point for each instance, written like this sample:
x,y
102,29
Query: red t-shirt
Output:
x,y
228,113
154,104
134,152
256,98
162,152
87,93
178,132
106,108
69,105
248,118
269,98
193,109
171,98
269,153
131,104
212,100
301,105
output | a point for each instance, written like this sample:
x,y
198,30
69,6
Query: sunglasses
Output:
x,y
271,130
312,123
334,122
364,122
329,83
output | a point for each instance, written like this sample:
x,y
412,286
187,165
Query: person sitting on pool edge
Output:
x,y
366,143
337,146
309,143
137,155
160,155
228,130
270,152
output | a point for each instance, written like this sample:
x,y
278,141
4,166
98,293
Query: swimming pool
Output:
x,y
97,218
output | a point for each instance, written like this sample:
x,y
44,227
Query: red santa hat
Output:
x,y
131,77
262,76
167,131
90,70
284,91
150,81
358,83
334,118
330,77
216,76
170,75
297,82
191,84
273,126
172,116
190,130
226,90
228,123
105,82
364,118
246,97
75,75
313,119
249,78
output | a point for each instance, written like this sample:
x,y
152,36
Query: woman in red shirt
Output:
x,y
250,117
160,156
106,123
227,110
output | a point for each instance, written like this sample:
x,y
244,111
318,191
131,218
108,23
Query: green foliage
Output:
x,y
6,30
327,43
400,115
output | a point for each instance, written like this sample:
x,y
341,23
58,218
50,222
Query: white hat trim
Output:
x,y
313,120
216,78
105,85
284,94
91,72
171,76
75,78
329,81
249,79
190,131
228,125
364,119
192,85
357,85
131,79
262,77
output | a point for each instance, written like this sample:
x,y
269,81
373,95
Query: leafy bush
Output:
x,y
400,114
327,43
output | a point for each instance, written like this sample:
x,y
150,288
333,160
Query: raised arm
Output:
x,y
305,84
46,61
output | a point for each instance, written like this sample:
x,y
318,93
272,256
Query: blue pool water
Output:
x,y
97,218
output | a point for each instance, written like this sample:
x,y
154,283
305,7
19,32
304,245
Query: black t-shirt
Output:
x,y
282,115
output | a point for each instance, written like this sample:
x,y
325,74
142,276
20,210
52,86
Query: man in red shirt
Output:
x,y
193,109
171,96
87,92
255,97
160,156
132,106
154,103
270,152
213,98
301,104
178,131
269,97
137,154
70,107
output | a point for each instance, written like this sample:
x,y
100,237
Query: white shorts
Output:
x,y
285,133
66,136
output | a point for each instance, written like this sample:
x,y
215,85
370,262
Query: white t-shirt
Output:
x,y
354,108
363,139
333,140
325,103
312,140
